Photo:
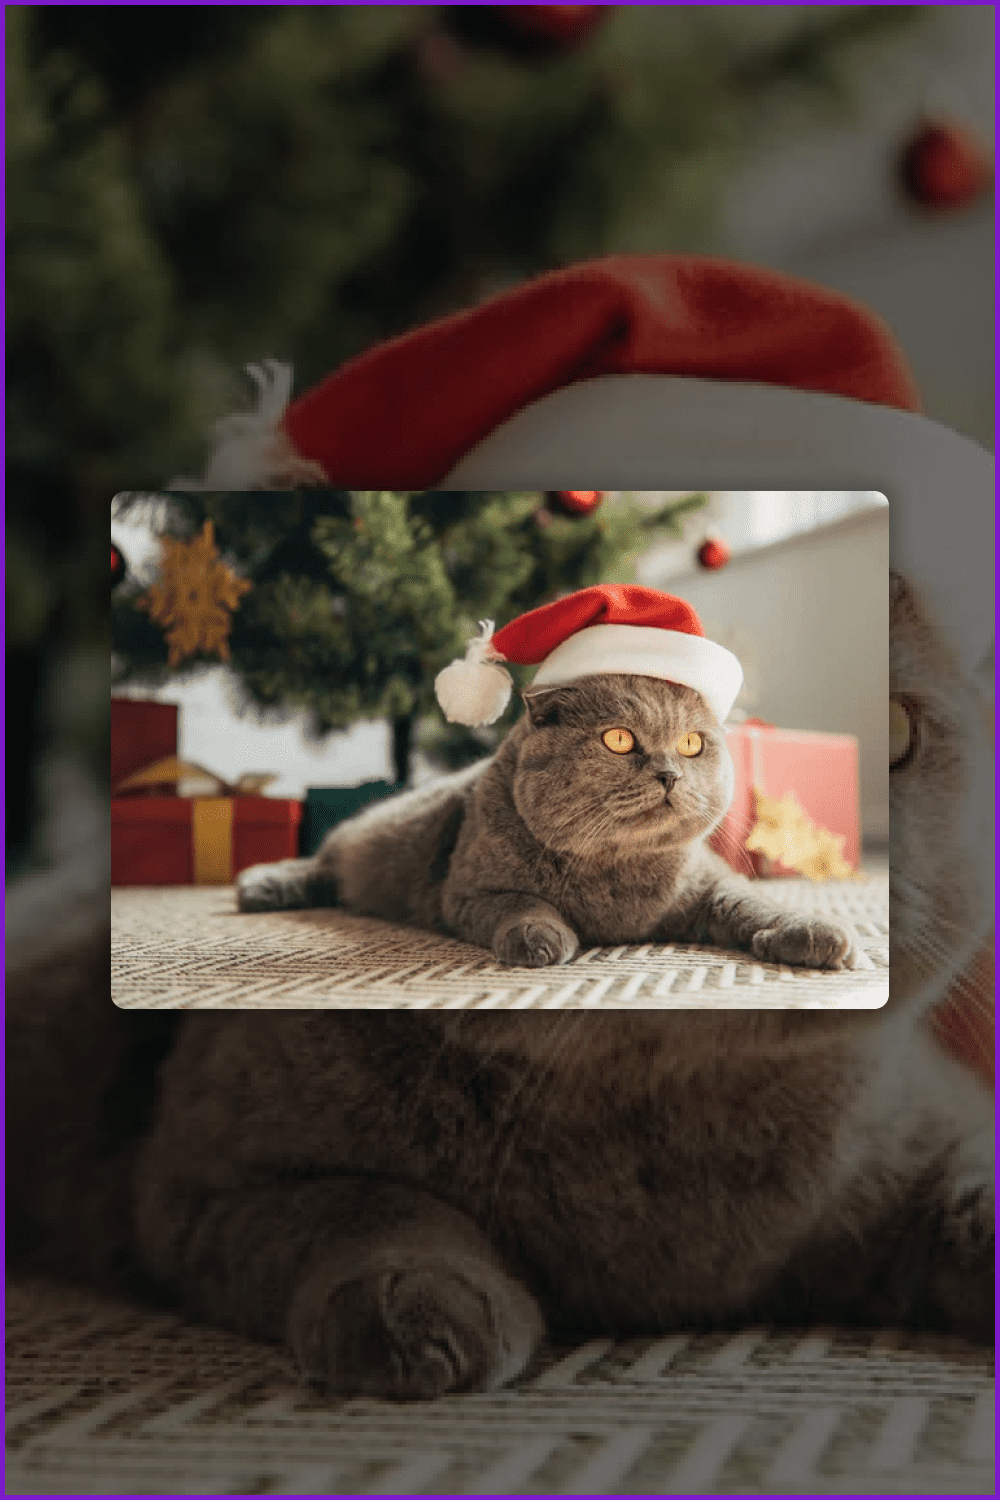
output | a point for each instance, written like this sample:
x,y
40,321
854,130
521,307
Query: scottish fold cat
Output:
x,y
587,827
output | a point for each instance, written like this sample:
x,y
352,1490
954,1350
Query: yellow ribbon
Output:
x,y
211,816
212,838
173,771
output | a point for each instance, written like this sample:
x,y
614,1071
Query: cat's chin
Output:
x,y
663,826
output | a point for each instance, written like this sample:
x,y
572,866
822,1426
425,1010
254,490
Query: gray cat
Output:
x,y
588,826
409,1200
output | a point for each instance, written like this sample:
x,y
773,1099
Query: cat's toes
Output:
x,y
255,890
963,1279
808,942
535,943
272,887
413,1334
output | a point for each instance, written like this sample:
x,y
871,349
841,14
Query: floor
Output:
x,y
106,1398
187,946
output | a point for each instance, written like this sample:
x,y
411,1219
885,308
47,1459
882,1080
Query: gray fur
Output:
x,y
558,841
940,809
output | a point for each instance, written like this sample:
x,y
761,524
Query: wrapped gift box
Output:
x,y
819,770
140,733
198,840
325,806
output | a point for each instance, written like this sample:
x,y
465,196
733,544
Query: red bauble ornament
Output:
x,y
713,553
575,502
118,566
944,166
563,24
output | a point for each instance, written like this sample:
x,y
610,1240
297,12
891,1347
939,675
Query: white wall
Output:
x,y
213,734
809,618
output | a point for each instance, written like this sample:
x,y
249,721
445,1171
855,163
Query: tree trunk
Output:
x,y
27,674
402,739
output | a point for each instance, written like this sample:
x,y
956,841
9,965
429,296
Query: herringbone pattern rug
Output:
x,y
105,1398
185,946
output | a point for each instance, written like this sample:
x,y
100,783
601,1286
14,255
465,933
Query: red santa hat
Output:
x,y
640,372
618,628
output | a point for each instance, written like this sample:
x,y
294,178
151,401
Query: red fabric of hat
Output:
x,y
532,637
623,629
403,413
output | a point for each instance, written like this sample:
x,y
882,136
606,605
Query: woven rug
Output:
x,y
106,1398
188,946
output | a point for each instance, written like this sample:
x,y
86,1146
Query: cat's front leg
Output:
x,y
733,915
377,1288
523,931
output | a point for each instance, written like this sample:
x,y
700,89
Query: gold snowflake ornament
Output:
x,y
195,597
785,834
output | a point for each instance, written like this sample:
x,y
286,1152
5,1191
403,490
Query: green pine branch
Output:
x,y
359,598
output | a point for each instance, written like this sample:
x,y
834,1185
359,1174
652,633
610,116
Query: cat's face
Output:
x,y
619,764
940,801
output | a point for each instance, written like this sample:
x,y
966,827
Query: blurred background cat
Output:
x,y
411,1201
81,1074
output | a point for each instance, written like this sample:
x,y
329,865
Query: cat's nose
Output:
x,y
666,777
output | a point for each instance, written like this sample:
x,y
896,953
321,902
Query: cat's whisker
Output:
x,y
924,944
596,833
571,1041
585,816
972,1004
576,1041
732,847
563,1036
427,1076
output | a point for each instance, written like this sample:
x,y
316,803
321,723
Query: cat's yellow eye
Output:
x,y
618,740
900,731
690,744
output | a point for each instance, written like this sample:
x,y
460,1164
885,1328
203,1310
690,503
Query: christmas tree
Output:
x,y
191,188
347,603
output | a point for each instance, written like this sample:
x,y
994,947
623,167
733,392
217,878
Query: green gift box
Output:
x,y
326,806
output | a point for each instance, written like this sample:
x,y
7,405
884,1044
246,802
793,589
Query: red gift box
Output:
x,y
198,840
819,770
206,839
140,733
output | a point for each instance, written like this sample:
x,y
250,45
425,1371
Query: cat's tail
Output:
x,y
291,884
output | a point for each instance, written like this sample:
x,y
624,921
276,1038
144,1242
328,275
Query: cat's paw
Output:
x,y
809,942
534,942
964,1267
412,1334
276,887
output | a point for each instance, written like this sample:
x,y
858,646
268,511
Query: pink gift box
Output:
x,y
820,769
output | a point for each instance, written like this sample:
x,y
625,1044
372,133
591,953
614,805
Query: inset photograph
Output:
x,y
500,750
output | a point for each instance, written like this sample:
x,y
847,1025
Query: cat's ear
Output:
x,y
543,705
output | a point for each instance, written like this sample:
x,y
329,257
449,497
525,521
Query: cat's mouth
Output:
x,y
671,818
655,811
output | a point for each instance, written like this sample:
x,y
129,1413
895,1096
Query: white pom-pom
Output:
x,y
476,689
252,451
